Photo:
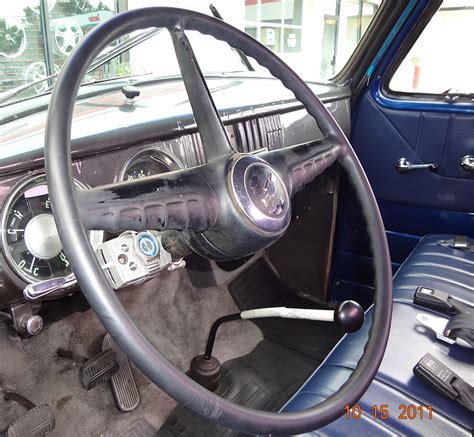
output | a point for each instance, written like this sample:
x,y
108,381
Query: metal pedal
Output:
x,y
35,422
99,369
123,383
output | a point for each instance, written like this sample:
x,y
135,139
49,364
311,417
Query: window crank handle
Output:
x,y
403,165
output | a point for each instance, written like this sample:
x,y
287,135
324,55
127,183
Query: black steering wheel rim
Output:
x,y
102,297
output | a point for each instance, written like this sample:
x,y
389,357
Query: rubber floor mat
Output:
x,y
265,379
258,287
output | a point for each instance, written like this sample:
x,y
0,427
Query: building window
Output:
x,y
316,38
275,23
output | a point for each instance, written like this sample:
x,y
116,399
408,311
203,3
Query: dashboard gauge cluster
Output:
x,y
148,162
30,242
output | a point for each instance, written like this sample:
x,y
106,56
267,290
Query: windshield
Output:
x,y
36,36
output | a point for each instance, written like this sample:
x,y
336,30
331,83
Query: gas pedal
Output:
x,y
34,423
99,369
123,383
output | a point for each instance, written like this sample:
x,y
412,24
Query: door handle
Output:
x,y
403,165
467,163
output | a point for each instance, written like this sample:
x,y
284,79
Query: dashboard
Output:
x,y
113,140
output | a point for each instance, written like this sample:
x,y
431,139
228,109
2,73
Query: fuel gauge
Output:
x,y
148,162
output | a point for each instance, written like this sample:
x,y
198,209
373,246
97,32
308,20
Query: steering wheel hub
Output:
x,y
259,192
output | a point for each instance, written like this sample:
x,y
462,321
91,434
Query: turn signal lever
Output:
x,y
205,369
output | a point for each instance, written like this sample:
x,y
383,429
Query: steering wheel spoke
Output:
x,y
180,200
210,127
299,165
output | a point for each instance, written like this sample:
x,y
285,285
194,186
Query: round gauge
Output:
x,y
148,162
30,240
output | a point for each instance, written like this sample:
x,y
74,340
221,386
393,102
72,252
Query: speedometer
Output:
x,y
30,240
148,162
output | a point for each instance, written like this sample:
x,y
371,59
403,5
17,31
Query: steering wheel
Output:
x,y
234,205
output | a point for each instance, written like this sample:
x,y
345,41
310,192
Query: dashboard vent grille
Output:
x,y
191,150
259,133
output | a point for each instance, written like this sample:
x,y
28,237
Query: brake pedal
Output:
x,y
35,422
123,383
99,369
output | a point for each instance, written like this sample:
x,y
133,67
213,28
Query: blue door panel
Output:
x,y
412,204
382,136
410,221
460,140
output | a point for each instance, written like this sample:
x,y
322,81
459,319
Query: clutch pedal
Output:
x,y
34,423
99,369
123,383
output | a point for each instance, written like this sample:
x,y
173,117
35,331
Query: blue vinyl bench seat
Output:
x,y
429,265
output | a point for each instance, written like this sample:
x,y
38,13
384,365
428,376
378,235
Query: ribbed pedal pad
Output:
x,y
34,423
99,369
123,383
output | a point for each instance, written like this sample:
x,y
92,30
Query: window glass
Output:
x,y
251,10
441,60
271,11
34,43
315,37
293,12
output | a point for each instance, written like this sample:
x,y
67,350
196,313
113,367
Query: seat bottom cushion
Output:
x,y
395,385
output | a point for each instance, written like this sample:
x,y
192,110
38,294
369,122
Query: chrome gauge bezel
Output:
x,y
165,157
96,237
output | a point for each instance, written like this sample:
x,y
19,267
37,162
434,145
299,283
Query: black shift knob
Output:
x,y
130,91
349,315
